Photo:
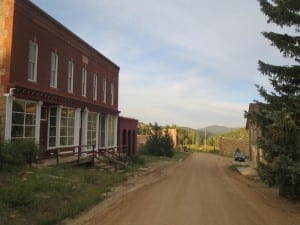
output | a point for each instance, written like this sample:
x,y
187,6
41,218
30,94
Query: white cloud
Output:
x,y
189,62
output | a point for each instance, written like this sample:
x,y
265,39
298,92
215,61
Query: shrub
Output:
x,y
137,160
233,167
18,152
167,145
159,144
266,174
215,151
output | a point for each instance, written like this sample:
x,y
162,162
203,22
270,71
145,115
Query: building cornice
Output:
x,y
49,98
41,18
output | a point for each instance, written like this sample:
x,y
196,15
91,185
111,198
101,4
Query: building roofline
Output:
x,y
253,107
65,29
128,118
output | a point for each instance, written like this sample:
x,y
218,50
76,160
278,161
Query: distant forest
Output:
x,y
195,138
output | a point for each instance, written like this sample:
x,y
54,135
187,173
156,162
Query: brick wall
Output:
x,y
33,24
229,145
127,134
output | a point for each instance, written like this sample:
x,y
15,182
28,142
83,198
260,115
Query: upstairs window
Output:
x,y
54,66
95,78
70,76
83,81
32,61
104,91
112,92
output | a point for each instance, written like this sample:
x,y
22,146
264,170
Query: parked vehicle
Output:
x,y
239,156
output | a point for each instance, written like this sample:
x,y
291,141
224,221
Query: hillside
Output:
x,y
217,130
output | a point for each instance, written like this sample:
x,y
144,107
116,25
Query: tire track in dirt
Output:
x,y
200,190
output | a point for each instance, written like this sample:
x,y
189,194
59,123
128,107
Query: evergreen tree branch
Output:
x,y
289,75
278,116
282,12
288,45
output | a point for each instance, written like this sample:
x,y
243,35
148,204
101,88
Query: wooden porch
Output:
x,y
83,154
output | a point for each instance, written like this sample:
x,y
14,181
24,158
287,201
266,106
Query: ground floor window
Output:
x,y
52,127
67,121
102,131
61,121
23,119
110,131
92,128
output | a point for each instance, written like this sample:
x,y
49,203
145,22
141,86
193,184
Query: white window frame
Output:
x,y
58,125
102,131
110,131
53,126
70,127
32,61
70,76
25,120
95,84
112,92
91,129
83,81
54,68
104,90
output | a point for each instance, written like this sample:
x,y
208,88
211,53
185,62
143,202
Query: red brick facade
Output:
x,y
30,23
228,146
127,134
33,108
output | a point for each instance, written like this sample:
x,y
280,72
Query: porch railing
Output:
x,y
79,151
85,151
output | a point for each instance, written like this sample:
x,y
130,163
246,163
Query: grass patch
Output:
x,y
152,159
233,167
141,160
215,151
46,196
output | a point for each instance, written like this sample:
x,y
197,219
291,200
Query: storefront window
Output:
x,y
92,128
52,126
23,119
102,131
67,121
111,131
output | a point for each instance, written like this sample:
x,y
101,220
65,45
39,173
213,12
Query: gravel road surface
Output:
x,y
198,191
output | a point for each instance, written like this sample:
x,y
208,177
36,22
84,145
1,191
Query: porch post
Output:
x,y
38,122
8,114
116,131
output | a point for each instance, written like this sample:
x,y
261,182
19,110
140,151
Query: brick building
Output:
x,y
228,146
127,138
256,154
54,87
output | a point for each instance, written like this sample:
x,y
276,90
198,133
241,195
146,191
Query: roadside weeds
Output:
x,y
48,195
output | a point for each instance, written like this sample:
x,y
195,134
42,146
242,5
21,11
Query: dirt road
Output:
x,y
200,190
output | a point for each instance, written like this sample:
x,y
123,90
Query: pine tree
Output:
x,y
279,114
167,145
159,144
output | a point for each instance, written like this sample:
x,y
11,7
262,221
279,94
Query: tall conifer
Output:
x,y
279,113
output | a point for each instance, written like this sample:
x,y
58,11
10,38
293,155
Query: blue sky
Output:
x,y
185,62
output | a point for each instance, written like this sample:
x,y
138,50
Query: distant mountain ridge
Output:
x,y
144,128
217,130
